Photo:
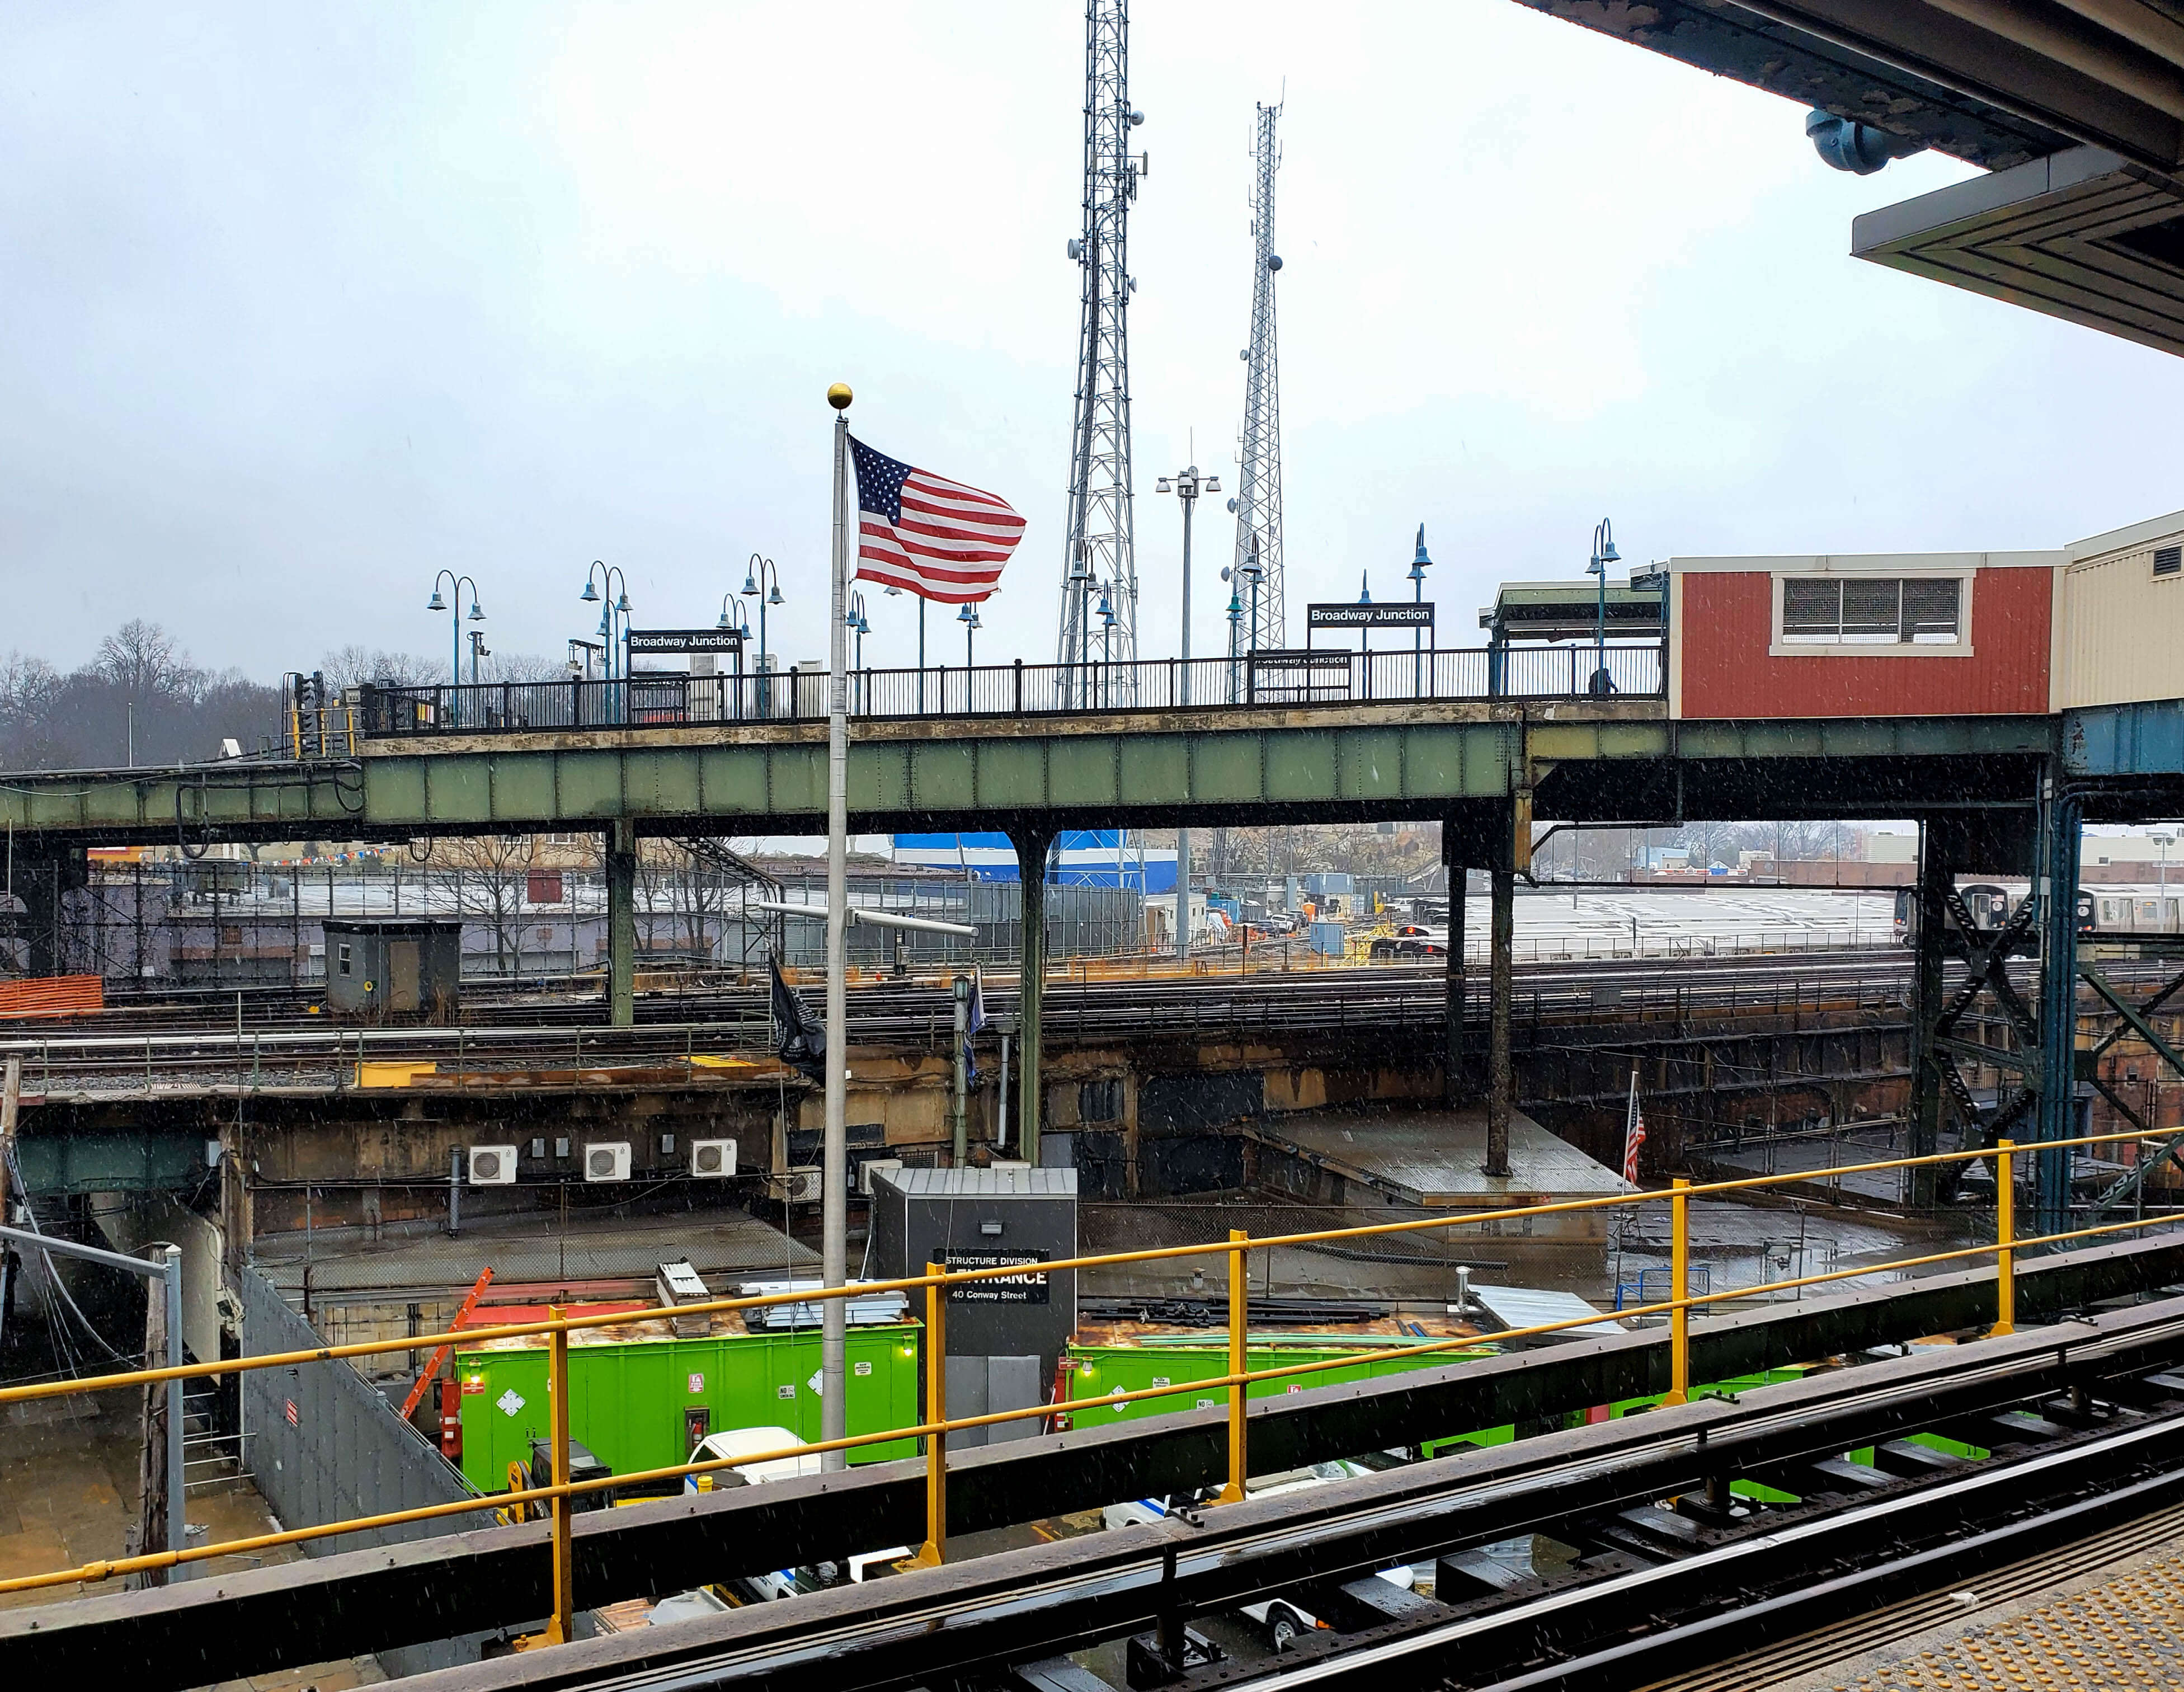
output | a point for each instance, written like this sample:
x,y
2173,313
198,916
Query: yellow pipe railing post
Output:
x,y
2005,1229
1680,1275
562,1628
1240,1322
935,1548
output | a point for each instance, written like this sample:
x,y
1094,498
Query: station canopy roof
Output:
x,y
1569,610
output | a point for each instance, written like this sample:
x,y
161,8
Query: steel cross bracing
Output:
x,y
2132,1020
1099,565
1259,450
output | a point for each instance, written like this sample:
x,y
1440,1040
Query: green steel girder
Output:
x,y
1608,761
973,779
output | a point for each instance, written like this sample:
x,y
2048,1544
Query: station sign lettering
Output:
x,y
1028,1288
685,640
1369,616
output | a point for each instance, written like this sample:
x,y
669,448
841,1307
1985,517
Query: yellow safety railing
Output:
x,y
937,1424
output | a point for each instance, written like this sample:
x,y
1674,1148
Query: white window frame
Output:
x,y
1961,647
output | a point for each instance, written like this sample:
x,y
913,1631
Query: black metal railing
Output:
x,y
651,699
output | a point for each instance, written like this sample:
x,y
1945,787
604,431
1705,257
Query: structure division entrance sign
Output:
x,y
653,641
1028,1288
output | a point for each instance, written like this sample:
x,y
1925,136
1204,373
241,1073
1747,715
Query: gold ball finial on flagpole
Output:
x,y
839,396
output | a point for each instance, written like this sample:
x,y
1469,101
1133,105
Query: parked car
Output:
x,y
1284,1617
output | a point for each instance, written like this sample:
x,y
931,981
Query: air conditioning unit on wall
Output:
x,y
606,1160
712,1159
876,1166
493,1165
799,1186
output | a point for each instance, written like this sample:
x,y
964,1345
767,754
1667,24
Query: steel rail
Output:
x,y
1349,1527
935,1429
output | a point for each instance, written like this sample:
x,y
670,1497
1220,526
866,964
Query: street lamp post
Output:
x,y
453,604
1077,587
1365,632
1187,485
760,577
604,585
968,616
737,621
858,626
1418,562
1235,636
1603,555
1106,651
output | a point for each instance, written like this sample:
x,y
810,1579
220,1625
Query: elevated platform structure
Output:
x,y
2077,108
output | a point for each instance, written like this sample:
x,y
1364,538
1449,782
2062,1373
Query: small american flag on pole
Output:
x,y
932,537
1633,1133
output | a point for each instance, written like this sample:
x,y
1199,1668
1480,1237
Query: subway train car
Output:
x,y
1991,904
2126,909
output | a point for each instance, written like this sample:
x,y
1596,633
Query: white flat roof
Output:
x,y
2124,539
1867,563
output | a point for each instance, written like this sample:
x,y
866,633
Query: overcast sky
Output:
x,y
300,303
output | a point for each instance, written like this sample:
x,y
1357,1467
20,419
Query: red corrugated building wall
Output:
x,y
1729,661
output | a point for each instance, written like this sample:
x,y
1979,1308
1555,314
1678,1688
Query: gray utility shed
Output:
x,y
393,966
986,1219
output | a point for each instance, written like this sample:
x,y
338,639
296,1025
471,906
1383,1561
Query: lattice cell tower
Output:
x,y
1100,563
1258,501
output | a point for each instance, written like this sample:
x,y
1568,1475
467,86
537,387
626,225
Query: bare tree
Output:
x,y
490,881
141,659
347,666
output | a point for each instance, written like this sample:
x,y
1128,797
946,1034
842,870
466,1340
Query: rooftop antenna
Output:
x,y
1099,554
1258,501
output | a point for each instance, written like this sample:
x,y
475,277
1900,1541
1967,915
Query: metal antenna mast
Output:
x,y
1100,563
1258,501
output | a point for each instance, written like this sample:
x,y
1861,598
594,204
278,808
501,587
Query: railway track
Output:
x,y
263,1038
2004,1462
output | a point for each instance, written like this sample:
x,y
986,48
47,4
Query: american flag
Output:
x,y
920,532
1634,1134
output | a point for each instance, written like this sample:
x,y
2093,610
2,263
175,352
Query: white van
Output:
x,y
737,1442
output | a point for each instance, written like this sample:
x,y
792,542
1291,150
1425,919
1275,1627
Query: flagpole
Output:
x,y
834,1205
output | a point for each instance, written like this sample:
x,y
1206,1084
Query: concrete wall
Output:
x,y
324,1446
131,1221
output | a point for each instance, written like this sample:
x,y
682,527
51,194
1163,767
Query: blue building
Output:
x,y
1083,858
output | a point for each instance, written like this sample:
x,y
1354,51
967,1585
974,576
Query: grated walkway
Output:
x,y
2118,1629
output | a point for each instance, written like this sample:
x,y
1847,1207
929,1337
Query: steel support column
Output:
x,y
1032,847
1457,1084
621,923
1937,877
2058,889
1500,987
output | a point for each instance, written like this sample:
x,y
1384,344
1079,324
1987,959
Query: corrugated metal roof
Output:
x,y
1525,1307
982,1183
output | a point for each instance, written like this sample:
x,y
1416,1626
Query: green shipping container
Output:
x,y
1101,1370
635,1404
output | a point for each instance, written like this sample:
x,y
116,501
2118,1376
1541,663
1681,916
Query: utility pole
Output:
x,y
1258,501
835,1159
1187,487
1099,558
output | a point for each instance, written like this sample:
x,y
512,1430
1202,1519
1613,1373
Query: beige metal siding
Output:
x,y
2122,629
